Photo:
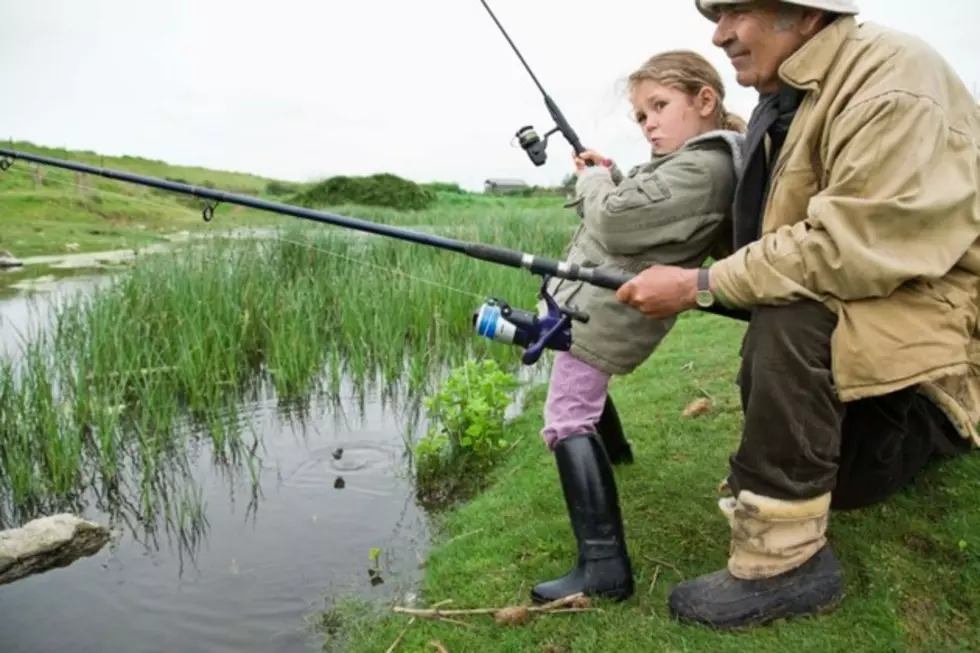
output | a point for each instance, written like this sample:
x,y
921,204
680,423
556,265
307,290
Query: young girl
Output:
x,y
672,211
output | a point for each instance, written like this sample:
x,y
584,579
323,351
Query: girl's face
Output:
x,y
669,117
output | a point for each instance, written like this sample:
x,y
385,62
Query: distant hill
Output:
x,y
49,210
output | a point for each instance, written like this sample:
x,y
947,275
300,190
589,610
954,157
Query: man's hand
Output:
x,y
589,155
661,291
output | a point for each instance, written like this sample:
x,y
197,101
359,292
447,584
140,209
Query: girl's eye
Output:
x,y
659,105
641,117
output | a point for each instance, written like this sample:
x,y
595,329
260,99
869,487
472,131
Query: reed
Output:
x,y
129,372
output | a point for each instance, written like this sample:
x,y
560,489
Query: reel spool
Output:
x,y
534,145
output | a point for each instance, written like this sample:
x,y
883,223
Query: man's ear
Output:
x,y
812,21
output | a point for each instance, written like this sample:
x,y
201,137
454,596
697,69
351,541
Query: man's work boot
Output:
x,y
780,566
611,432
603,567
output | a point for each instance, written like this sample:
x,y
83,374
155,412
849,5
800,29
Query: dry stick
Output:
x,y
656,575
547,607
456,622
703,391
401,635
665,564
462,535
562,601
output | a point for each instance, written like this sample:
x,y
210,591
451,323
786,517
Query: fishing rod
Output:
x,y
495,319
535,146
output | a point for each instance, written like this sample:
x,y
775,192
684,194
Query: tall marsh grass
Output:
x,y
127,371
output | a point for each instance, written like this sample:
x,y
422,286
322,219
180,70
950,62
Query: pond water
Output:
x,y
333,485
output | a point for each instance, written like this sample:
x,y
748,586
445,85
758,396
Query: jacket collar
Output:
x,y
807,67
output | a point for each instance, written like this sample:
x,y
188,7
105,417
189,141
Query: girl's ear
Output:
x,y
707,101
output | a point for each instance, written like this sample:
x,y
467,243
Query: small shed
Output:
x,y
503,185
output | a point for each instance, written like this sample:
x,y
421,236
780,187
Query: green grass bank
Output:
x,y
912,564
45,210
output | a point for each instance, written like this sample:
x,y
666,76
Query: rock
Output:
x,y
48,543
8,260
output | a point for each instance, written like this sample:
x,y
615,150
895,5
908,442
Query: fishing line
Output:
x,y
436,284
171,207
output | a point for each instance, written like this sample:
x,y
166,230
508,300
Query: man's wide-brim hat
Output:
x,y
709,8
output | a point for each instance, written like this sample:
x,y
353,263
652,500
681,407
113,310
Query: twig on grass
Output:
x,y
462,535
665,564
656,575
401,636
513,614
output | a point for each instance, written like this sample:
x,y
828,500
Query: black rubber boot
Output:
x,y
722,601
611,431
603,567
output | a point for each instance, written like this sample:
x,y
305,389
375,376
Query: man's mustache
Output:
x,y
735,49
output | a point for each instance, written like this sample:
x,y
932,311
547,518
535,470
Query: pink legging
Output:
x,y
576,397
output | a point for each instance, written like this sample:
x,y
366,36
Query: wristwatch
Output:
x,y
704,297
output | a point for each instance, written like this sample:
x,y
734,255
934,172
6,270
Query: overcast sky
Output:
x,y
297,89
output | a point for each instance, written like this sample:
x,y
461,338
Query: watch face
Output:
x,y
704,298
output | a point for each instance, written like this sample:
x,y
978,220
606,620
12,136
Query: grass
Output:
x,y
132,377
912,564
180,339
43,209
46,210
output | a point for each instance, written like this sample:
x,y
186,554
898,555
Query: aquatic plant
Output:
x,y
137,369
466,432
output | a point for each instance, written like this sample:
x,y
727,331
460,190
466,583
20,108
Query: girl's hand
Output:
x,y
589,155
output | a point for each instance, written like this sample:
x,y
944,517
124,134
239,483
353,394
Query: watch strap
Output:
x,y
705,297
704,279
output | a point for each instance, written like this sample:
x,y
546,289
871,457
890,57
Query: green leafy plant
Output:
x,y
466,429
383,189
374,573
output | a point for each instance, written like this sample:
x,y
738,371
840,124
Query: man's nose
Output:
x,y
723,32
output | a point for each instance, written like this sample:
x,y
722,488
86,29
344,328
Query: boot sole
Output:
x,y
617,596
823,610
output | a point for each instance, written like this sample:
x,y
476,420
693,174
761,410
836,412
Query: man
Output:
x,y
855,246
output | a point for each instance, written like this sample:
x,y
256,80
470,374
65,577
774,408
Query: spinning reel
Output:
x,y
498,321
528,138
534,145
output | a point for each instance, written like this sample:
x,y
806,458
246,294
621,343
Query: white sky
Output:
x,y
428,89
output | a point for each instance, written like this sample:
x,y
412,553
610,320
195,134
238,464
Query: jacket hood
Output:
x,y
733,139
